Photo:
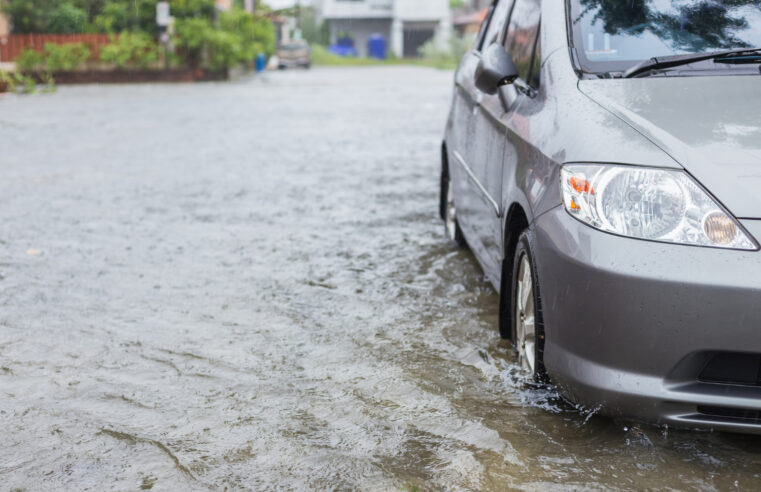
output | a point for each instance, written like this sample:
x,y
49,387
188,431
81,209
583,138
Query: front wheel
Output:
x,y
527,321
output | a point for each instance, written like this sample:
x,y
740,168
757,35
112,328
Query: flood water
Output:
x,y
245,285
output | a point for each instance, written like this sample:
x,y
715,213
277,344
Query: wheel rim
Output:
x,y
451,214
525,319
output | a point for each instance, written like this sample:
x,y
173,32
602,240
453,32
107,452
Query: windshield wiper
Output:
x,y
663,62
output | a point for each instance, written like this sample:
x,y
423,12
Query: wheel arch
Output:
x,y
516,221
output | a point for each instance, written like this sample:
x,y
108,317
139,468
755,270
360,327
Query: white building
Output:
x,y
405,24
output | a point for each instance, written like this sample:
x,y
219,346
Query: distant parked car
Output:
x,y
602,160
294,53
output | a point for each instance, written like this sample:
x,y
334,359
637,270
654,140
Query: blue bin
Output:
x,y
261,62
376,46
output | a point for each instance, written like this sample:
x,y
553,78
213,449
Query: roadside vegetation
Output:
x,y
201,38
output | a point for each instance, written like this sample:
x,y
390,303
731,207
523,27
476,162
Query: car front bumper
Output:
x,y
632,325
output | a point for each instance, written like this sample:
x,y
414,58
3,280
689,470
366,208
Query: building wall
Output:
x,y
396,20
361,30
355,9
417,10
413,18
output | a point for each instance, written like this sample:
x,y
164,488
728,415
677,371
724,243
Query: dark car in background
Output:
x,y
602,160
295,53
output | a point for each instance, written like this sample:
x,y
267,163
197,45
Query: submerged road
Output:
x,y
245,285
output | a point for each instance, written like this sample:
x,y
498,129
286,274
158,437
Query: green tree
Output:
x,y
255,34
115,16
67,18
312,31
190,38
29,15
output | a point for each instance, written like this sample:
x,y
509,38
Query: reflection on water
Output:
x,y
208,310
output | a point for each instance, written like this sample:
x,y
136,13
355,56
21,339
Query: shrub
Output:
x,y
256,35
65,56
190,38
30,60
239,38
18,82
225,50
130,50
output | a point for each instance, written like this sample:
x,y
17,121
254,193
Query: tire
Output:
x,y
448,211
526,310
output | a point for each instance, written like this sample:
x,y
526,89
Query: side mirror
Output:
x,y
495,69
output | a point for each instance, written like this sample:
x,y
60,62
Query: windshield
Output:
x,y
614,35
295,46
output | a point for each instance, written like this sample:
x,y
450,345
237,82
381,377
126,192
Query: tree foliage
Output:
x,y
202,35
238,38
110,16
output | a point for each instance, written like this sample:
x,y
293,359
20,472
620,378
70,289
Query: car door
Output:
x,y
479,214
485,158
462,139
524,100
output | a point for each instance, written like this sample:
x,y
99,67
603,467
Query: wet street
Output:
x,y
245,285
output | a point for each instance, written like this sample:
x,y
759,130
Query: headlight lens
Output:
x,y
647,203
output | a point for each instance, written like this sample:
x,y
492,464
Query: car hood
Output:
x,y
709,125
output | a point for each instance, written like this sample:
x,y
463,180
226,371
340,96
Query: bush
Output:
x,y
130,50
224,50
65,56
190,38
54,57
18,82
256,35
239,38
30,60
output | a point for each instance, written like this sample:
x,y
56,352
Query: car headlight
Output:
x,y
648,203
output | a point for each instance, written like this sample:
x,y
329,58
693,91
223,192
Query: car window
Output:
x,y
615,36
536,60
484,27
522,35
497,25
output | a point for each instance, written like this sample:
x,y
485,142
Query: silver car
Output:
x,y
602,160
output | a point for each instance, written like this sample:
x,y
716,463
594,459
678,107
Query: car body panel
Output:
x,y
629,322
551,127
621,317
710,125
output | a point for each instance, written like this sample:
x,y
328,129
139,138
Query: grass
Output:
x,y
321,56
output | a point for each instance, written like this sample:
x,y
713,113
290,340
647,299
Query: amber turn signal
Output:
x,y
581,185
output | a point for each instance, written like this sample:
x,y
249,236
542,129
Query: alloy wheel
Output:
x,y
525,316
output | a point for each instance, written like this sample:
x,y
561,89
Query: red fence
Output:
x,y
13,44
